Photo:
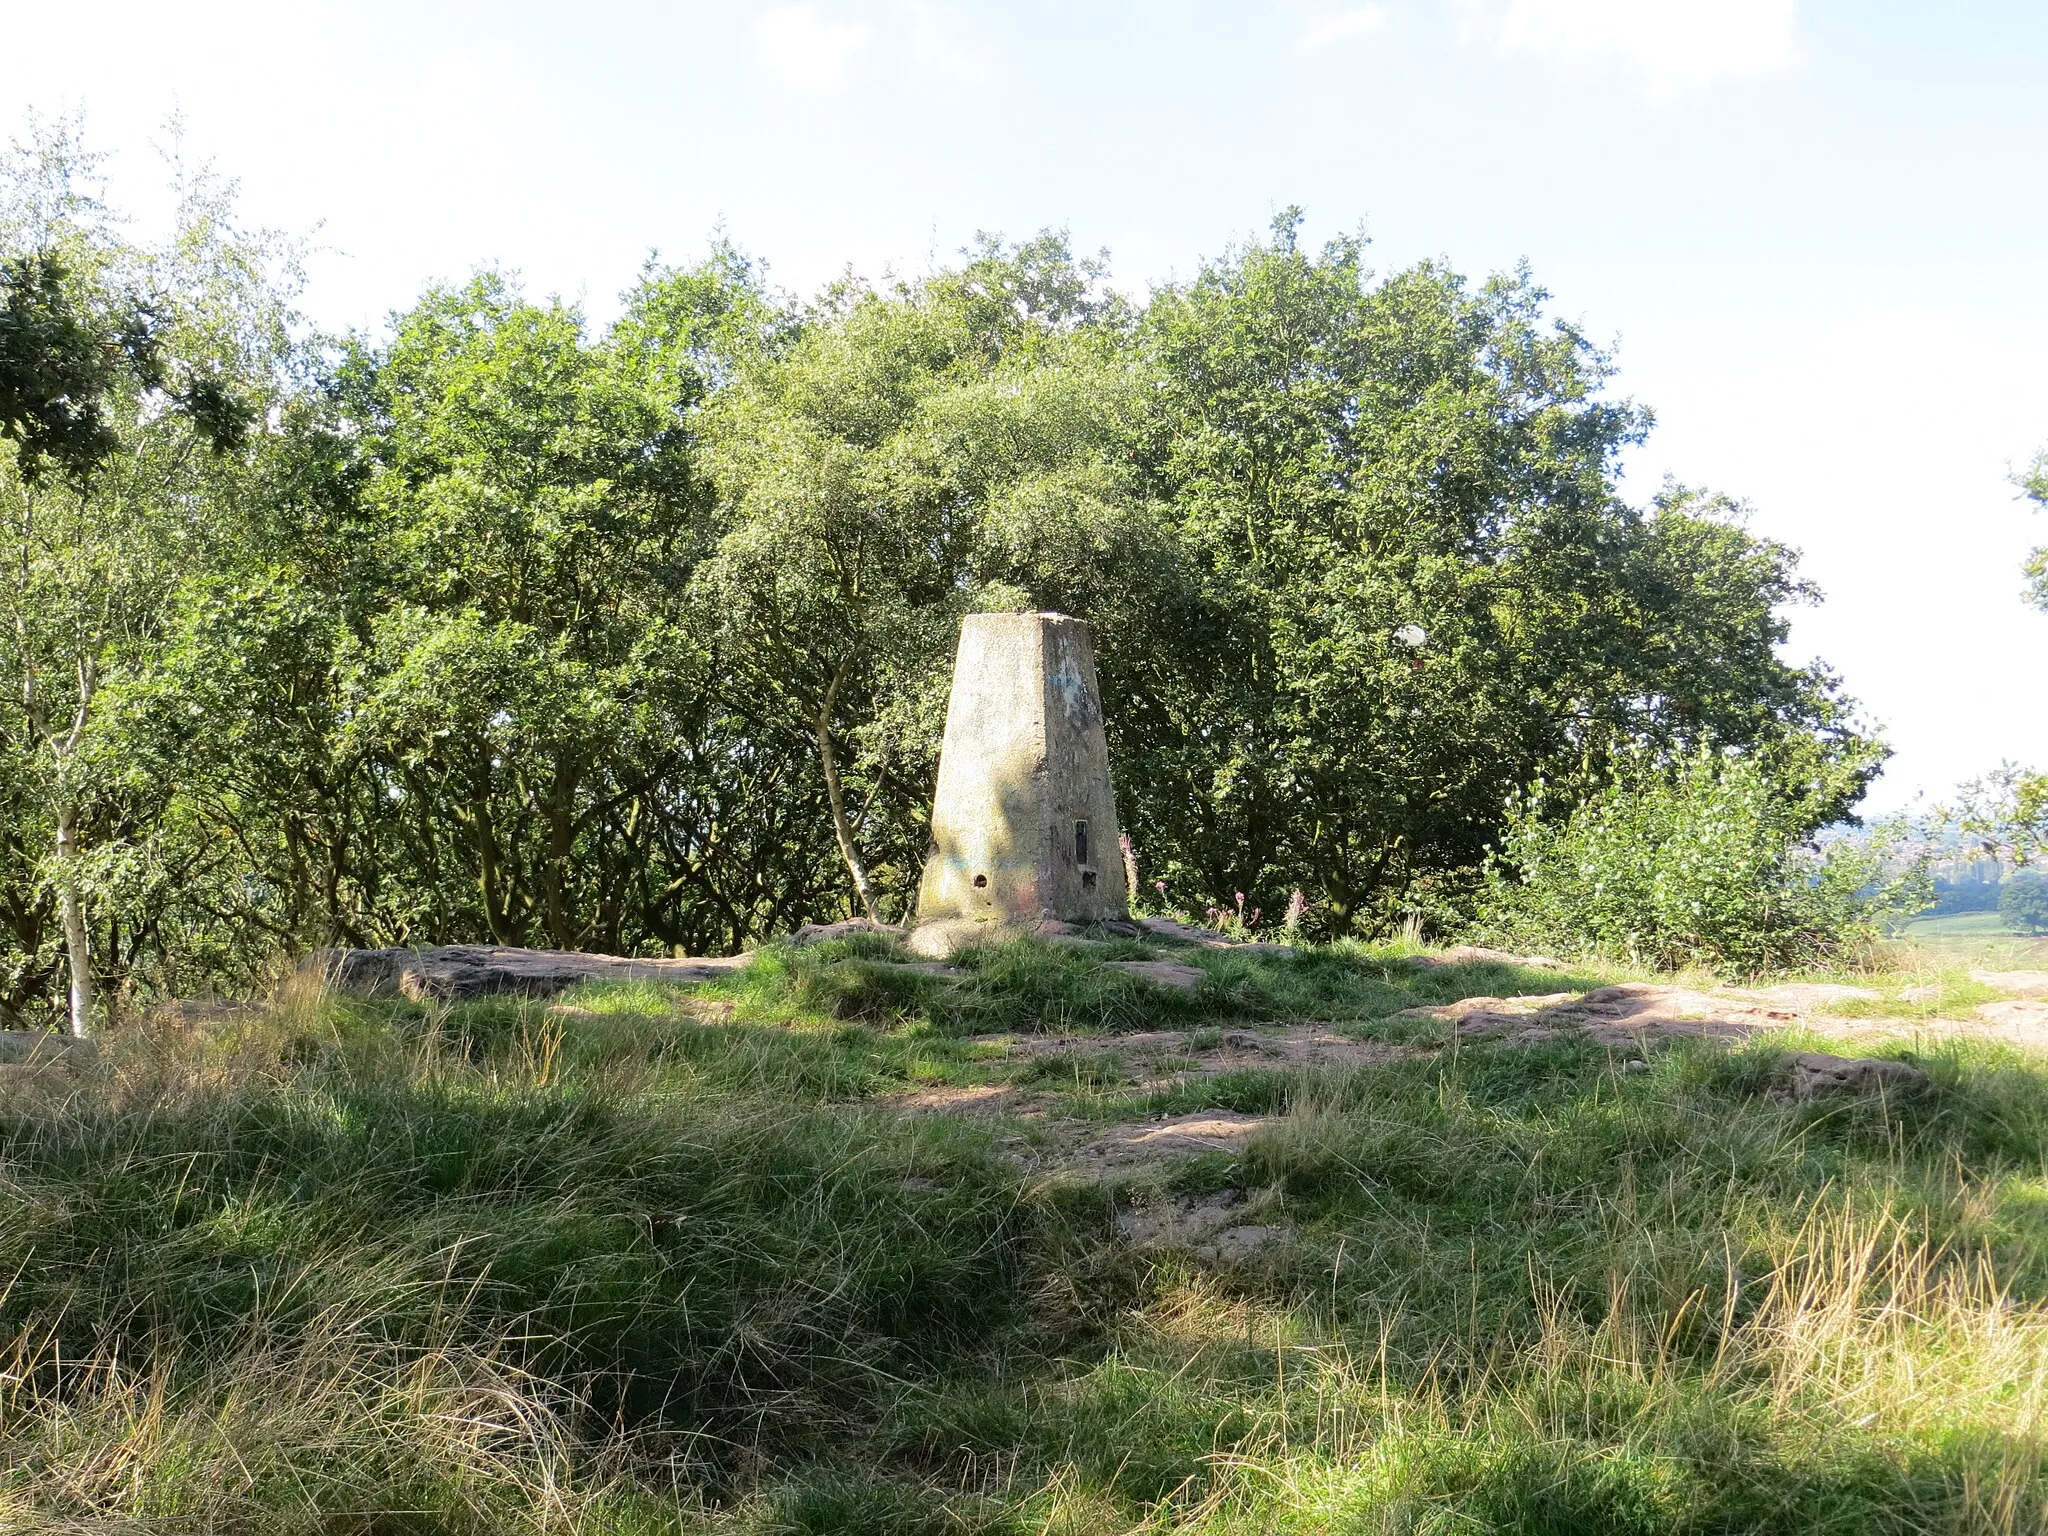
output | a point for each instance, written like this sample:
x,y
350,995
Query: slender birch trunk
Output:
x,y
836,797
71,905
70,898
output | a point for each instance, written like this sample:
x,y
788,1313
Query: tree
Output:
x,y
1418,589
500,626
122,376
1698,861
2035,484
2004,813
905,458
2023,903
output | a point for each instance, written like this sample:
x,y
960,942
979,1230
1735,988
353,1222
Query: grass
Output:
x,y
667,1260
1979,937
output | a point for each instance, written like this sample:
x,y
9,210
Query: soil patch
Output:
x,y
1167,1055
961,1099
1637,1012
1210,1227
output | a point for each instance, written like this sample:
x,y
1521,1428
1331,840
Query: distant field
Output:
x,y
1976,935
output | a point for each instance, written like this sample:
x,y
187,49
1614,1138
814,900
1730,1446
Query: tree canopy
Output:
x,y
2035,484
499,625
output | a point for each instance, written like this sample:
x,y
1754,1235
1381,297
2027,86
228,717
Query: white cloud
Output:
x,y
801,47
1342,27
1672,47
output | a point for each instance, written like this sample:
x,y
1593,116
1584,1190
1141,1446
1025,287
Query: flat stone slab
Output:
x,y
1209,938
823,933
946,937
21,1047
1161,973
458,972
2025,983
1815,994
1475,954
960,1099
1207,1226
2024,1013
1492,1015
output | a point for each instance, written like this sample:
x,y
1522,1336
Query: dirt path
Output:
x,y
1638,1012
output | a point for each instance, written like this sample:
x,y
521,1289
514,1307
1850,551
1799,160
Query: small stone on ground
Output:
x,y
1816,1075
1182,1136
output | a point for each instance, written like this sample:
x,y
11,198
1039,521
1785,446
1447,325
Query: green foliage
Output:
x,y
2035,484
2003,813
501,627
2023,903
874,474
1345,461
1696,863
182,345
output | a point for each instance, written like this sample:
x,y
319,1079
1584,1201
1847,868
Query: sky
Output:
x,y
1813,233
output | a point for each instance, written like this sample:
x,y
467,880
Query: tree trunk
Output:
x,y
821,728
77,946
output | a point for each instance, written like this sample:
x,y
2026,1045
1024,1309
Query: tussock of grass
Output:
x,y
653,1261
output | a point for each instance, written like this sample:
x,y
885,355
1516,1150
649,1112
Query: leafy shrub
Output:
x,y
2023,903
1694,862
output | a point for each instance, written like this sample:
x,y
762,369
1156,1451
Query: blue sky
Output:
x,y
1815,232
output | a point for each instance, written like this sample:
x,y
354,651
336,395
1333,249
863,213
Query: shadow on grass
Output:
x,y
1534,1288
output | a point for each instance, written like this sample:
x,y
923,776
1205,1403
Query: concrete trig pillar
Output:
x,y
1024,822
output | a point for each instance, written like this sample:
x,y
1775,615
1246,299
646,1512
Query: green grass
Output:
x,y
667,1260
1979,937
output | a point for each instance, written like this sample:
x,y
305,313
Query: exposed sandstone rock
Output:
x,y
1815,994
2025,983
821,933
1816,1075
34,1047
1491,1015
961,1099
1473,954
1164,1055
1209,938
458,972
2022,1013
946,937
1161,973
1182,1136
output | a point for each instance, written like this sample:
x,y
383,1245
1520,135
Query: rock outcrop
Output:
x,y
459,972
